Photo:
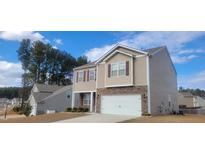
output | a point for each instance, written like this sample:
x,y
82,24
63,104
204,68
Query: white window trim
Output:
x,y
94,74
115,47
118,69
112,70
87,100
124,62
79,76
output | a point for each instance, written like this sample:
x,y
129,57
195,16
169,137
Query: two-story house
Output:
x,y
127,81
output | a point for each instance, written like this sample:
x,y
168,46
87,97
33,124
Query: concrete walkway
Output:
x,y
98,118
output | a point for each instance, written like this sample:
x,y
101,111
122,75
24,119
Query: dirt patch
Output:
x,y
44,118
169,119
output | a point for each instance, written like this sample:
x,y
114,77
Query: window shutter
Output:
x,y
84,76
76,76
109,70
127,68
88,75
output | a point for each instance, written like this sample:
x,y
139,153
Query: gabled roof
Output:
x,y
117,46
65,88
153,50
47,91
92,64
47,88
38,96
150,51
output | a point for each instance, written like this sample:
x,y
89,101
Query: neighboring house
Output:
x,y
39,97
57,102
188,100
4,100
15,101
127,81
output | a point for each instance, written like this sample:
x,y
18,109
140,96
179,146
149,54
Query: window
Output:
x,y
114,69
80,77
86,99
91,74
121,68
118,69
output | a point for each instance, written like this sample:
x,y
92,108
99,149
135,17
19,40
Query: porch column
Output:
x,y
91,102
73,100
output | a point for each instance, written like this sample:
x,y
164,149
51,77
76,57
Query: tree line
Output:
x,y
14,92
196,92
44,64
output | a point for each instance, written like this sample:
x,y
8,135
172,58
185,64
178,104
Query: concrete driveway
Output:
x,y
98,118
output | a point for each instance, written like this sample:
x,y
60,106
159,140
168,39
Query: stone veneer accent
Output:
x,y
123,90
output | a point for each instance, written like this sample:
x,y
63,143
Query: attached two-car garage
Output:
x,y
121,104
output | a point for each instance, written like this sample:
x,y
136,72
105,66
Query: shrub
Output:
x,y
86,110
174,112
69,109
74,109
80,109
24,109
146,114
181,113
16,109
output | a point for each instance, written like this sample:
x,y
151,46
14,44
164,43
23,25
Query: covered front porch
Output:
x,y
85,99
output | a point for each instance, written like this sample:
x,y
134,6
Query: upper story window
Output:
x,y
114,69
85,75
91,74
118,69
121,70
80,76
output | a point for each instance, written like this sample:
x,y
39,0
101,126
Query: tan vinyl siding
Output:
x,y
137,72
118,80
101,76
163,83
140,71
84,85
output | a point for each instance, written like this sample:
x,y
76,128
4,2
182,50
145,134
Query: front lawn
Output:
x,y
191,118
46,118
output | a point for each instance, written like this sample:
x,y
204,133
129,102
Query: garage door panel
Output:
x,y
121,104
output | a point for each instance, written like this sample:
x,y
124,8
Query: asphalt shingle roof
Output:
x,y
38,96
152,50
92,64
48,88
65,88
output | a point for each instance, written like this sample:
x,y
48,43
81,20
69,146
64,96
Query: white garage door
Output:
x,y
121,104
